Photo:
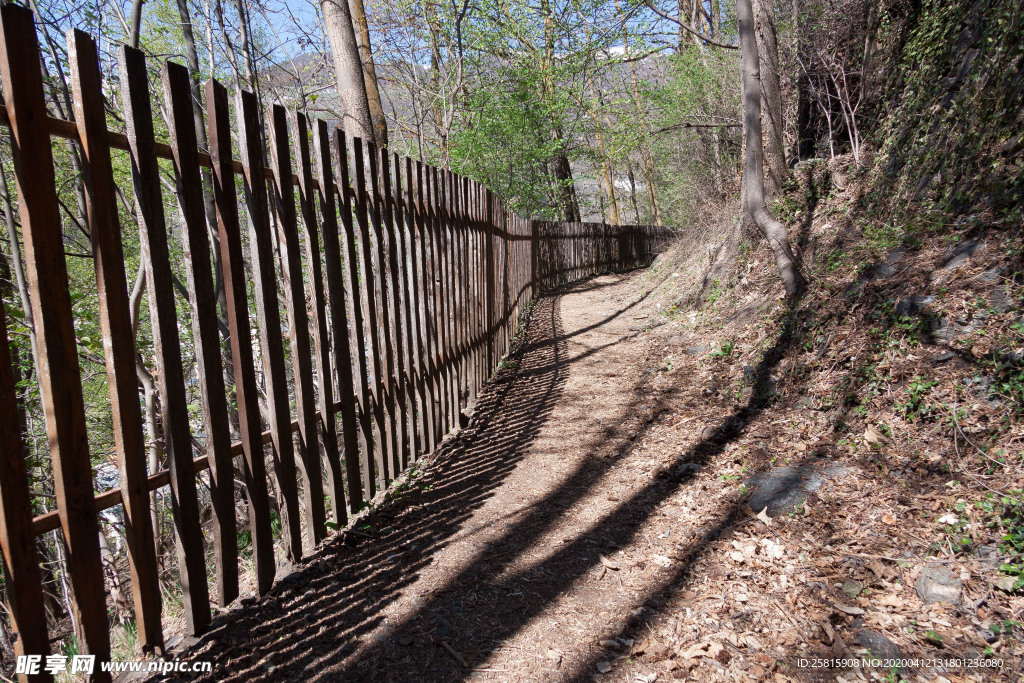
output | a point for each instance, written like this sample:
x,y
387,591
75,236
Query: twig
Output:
x,y
453,652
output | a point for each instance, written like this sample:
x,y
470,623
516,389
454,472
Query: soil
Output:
x,y
590,524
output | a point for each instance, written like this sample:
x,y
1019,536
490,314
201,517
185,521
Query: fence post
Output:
x,y
324,378
298,335
177,89
58,368
264,275
246,395
350,258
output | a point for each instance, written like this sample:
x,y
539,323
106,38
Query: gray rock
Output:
x,y
991,275
937,584
912,305
999,299
748,374
696,350
988,554
943,357
959,254
782,490
805,402
878,645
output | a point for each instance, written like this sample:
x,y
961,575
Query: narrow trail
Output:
x,y
505,558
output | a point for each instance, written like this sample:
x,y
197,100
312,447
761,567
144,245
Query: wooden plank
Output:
x,y
360,372
412,305
458,276
58,369
21,560
441,313
203,300
421,275
476,288
339,318
463,237
451,294
298,329
116,328
246,391
434,314
371,318
398,288
447,311
264,274
490,282
382,233
321,345
400,282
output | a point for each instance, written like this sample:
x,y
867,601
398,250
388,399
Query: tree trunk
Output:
x,y
362,33
355,114
753,156
771,91
562,170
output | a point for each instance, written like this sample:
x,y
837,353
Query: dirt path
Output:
x,y
512,555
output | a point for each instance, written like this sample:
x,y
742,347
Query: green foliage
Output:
x,y
915,407
951,137
724,350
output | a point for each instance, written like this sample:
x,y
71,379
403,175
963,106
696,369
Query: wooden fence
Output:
x,y
402,283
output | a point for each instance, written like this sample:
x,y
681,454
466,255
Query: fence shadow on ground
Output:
x,y
319,622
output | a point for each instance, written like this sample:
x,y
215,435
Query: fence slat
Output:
x,y
429,364
413,313
389,225
339,318
163,312
399,287
116,327
197,261
246,393
58,368
298,329
371,317
350,261
380,226
21,560
321,350
261,258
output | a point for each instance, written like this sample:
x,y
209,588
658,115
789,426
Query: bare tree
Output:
x,y
753,158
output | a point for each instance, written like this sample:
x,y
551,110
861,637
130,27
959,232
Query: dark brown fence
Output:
x,y
402,286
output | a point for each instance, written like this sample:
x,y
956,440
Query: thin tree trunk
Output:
x,y
355,107
362,33
771,91
753,157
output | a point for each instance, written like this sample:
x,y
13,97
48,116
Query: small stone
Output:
x,y
696,350
913,305
999,299
603,667
878,645
938,584
943,357
852,589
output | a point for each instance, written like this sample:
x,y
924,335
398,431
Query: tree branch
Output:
x,y
688,28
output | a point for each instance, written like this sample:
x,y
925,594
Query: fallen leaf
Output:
x,y
763,516
875,438
608,563
1005,583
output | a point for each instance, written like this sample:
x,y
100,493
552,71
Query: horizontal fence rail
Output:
x,y
368,296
